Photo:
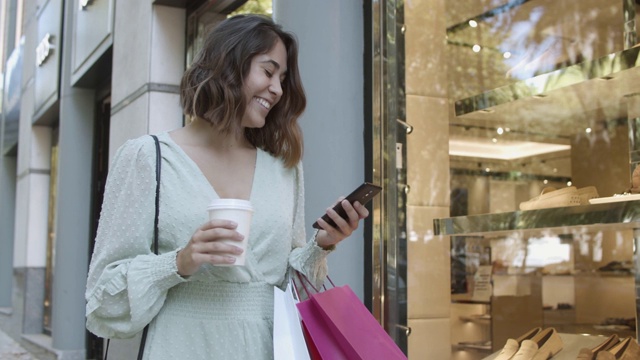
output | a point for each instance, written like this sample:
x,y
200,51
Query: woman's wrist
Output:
x,y
180,265
317,238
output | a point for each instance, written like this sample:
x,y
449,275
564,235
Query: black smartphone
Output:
x,y
361,194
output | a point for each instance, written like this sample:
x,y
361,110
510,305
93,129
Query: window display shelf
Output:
x,y
619,214
594,273
565,83
479,346
478,318
572,344
578,318
466,299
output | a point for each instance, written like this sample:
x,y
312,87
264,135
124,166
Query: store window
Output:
x,y
524,138
51,233
540,101
539,132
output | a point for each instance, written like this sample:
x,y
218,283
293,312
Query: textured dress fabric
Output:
x,y
220,312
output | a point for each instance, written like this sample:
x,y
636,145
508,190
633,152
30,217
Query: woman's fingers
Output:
x,y
214,258
351,222
216,247
212,243
361,209
216,234
218,223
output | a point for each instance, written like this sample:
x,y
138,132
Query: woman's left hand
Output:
x,y
330,235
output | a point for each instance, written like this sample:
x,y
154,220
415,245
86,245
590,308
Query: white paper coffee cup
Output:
x,y
237,210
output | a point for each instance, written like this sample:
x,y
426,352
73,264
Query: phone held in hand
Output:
x,y
361,194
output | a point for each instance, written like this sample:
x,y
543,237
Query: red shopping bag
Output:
x,y
341,327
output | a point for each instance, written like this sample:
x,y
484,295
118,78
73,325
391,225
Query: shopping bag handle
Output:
x,y
294,287
303,278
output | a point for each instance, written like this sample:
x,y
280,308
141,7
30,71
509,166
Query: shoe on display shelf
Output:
x,y
624,267
513,345
544,345
551,197
635,181
632,193
590,354
587,193
615,198
627,349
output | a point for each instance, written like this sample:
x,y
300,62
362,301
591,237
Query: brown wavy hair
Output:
x,y
211,89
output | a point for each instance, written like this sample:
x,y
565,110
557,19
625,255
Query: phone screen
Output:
x,y
362,194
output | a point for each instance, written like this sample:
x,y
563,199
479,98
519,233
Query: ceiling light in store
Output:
x,y
545,181
500,131
506,54
476,48
587,130
504,150
473,23
569,183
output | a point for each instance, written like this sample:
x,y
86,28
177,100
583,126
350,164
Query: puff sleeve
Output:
x,y
127,283
306,256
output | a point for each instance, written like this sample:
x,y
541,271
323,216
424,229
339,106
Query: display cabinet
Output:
x,y
541,100
571,268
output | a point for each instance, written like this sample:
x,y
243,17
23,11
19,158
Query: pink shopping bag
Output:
x,y
354,326
341,327
321,341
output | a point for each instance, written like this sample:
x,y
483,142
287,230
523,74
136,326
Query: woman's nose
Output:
x,y
276,88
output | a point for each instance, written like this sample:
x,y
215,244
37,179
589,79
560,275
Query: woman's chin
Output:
x,y
256,124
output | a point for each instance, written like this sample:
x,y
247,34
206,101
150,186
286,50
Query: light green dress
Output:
x,y
219,312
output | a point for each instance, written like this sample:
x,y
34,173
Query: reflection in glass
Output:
x,y
51,234
581,282
529,112
543,96
494,43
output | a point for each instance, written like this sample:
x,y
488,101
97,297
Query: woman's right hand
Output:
x,y
206,246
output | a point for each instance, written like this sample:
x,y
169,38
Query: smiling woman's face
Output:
x,y
263,85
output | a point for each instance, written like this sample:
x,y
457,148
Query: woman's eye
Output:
x,y
269,73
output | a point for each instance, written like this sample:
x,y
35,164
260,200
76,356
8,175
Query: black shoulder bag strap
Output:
x,y
155,232
143,340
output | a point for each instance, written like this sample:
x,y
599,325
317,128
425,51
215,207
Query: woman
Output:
x,y
244,94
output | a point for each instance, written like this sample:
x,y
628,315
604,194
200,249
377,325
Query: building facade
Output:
x,y
84,77
462,111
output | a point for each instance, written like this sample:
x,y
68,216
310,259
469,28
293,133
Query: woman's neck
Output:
x,y
200,133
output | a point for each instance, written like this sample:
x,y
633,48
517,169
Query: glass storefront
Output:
x,y
51,233
509,129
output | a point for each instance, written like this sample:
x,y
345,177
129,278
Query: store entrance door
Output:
x,y
388,140
94,344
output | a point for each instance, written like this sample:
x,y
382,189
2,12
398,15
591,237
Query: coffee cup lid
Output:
x,y
230,204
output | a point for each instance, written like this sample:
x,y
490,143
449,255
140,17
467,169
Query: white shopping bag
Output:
x,y
288,340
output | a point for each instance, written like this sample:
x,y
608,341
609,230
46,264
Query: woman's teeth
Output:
x,y
263,102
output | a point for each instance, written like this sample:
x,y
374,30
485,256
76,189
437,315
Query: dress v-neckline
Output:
x,y
193,164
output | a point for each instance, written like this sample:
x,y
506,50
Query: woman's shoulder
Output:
x,y
140,149
143,143
278,163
